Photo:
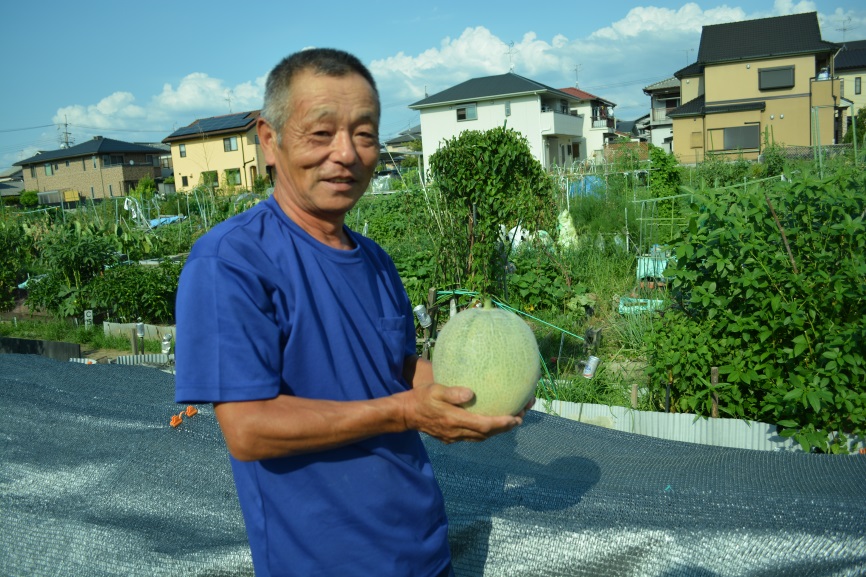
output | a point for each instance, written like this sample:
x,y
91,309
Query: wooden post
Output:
x,y
134,341
634,396
714,380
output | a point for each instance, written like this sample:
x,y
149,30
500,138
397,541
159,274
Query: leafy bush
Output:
x,y
486,181
770,288
132,291
14,255
28,198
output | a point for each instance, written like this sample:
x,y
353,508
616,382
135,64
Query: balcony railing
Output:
x,y
660,114
607,123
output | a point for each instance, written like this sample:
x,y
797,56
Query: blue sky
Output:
x,y
137,71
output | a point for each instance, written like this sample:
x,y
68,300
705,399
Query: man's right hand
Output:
x,y
435,409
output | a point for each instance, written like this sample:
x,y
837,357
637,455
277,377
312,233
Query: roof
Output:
x,y
409,135
762,38
509,84
667,84
583,95
693,69
11,172
96,146
698,107
225,124
852,56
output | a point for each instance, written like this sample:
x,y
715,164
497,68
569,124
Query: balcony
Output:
x,y
605,123
560,123
660,115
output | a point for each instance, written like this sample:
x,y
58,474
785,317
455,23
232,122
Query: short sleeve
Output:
x,y
228,340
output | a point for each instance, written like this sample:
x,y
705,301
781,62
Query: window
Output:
x,y
233,176
48,170
776,78
507,109
84,164
230,143
736,138
856,85
112,159
32,171
94,162
165,161
67,163
468,112
182,149
184,181
210,178
148,160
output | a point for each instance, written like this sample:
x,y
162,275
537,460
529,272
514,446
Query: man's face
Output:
x,y
330,144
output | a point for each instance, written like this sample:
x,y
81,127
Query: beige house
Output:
x,y
851,68
221,150
95,169
771,76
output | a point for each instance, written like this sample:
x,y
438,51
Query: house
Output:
x,y
771,74
542,114
664,97
851,68
11,184
218,151
396,149
599,124
96,169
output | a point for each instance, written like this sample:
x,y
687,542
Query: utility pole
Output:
x,y
687,50
576,77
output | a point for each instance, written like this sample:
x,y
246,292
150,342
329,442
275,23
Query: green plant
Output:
x,y
28,198
132,291
14,256
487,181
770,287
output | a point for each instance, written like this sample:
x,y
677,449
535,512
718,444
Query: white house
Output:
x,y
544,115
598,123
664,97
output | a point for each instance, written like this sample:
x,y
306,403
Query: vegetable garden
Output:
x,y
766,278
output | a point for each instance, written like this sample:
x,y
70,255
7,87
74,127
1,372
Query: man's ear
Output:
x,y
268,140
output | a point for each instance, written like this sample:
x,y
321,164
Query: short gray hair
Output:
x,y
325,61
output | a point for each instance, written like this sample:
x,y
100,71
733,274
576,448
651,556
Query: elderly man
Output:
x,y
300,333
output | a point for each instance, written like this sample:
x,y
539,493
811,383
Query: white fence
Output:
x,y
685,427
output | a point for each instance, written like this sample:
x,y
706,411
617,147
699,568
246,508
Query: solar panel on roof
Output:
x,y
215,123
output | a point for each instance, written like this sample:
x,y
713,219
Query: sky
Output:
x,y
137,71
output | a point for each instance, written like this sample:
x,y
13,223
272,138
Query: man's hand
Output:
x,y
435,409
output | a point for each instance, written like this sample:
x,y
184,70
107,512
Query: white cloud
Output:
x,y
115,110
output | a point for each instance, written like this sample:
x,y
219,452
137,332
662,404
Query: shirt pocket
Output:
x,y
393,331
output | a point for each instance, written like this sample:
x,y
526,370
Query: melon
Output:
x,y
493,352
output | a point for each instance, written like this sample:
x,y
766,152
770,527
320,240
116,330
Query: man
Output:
x,y
300,333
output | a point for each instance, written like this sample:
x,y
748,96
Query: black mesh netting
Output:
x,y
94,481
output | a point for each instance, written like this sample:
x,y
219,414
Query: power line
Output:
x,y
26,128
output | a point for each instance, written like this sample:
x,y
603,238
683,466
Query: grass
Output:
x,y
63,331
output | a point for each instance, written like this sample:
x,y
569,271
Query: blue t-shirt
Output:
x,y
264,309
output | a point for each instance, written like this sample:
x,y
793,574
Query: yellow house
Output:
x,y
221,150
772,76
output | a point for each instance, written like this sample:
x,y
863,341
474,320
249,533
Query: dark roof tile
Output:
x,y
215,125
852,56
96,146
488,87
761,38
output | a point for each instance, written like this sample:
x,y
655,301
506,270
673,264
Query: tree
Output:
x,y
860,128
488,181
29,198
144,190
